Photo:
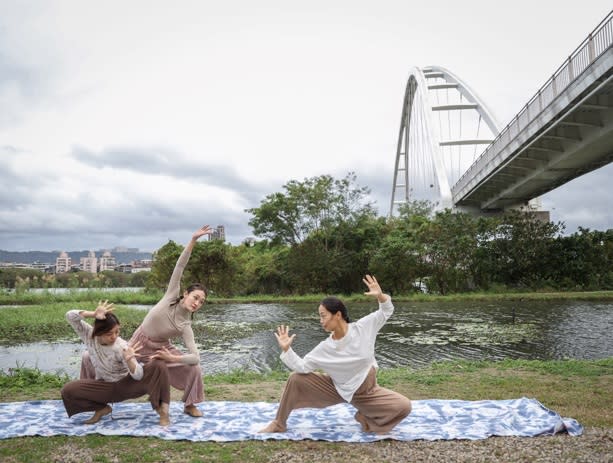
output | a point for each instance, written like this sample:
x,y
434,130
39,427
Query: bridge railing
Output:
x,y
579,60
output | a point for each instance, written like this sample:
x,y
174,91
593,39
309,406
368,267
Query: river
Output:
x,y
240,336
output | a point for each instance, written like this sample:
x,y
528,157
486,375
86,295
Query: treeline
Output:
x,y
322,235
21,279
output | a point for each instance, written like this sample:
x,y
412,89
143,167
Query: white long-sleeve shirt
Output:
x,y
348,360
108,360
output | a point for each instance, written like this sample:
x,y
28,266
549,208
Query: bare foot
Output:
x,y
192,410
162,410
99,414
273,426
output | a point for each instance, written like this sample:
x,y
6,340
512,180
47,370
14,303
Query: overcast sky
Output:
x,y
129,123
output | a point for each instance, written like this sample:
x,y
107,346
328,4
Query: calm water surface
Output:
x,y
240,336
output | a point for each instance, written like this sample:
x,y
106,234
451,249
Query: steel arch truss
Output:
x,y
421,154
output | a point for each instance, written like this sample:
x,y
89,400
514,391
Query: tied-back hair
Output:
x,y
104,326
333,305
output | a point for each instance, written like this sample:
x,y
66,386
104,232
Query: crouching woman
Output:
x,y
118,375
347,360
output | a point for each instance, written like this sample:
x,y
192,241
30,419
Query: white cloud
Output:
x,y
130,123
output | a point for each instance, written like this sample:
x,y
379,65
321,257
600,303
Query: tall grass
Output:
x,y
16,380
152,297
46,322
91,295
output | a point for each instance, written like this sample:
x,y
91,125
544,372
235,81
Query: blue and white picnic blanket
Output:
x,y
236,421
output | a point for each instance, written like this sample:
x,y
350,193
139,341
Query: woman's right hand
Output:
x,y
283,337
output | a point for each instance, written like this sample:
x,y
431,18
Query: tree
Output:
x,y
260,268
520,249
316,204
583,260
164,261
211,264
397,259
450,243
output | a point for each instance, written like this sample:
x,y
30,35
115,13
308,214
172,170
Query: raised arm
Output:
x,y
374,289
175,280
373,322
82,328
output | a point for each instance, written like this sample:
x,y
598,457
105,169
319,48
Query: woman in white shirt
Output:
x,y
347,360
118,375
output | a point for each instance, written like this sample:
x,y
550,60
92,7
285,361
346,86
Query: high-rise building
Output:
x,y
63,263
89,263
107,261
218,234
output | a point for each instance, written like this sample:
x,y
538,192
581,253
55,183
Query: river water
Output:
x,y
240,336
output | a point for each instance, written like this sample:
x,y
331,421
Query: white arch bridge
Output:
x,y
453,152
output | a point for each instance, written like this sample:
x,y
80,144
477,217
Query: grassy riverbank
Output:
x,y
151,297
579,389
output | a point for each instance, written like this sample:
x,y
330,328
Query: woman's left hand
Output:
x,y
164,354
204,230
102,309
374,289
131,351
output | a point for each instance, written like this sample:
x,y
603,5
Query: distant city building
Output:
x,y
141,265
140,269
63,263
89,263
14,265
107,262
40,265
218,234
124,268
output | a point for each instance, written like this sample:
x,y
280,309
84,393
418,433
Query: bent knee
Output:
x,y
157,364
68,391
406,407
296,378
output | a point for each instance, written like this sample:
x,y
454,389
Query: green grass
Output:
x,y
90,295
46,322
18,379
152,297
580,389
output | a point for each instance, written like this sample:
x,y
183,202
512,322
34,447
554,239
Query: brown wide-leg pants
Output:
x,y
186,378
378,409
86,395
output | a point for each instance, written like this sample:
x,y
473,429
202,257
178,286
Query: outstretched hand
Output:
x,y
102,309
374,289
204,230
283,337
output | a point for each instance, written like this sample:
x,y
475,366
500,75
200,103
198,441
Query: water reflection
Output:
x,y
240,336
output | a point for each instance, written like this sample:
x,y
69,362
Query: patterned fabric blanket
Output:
x,y
236,421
